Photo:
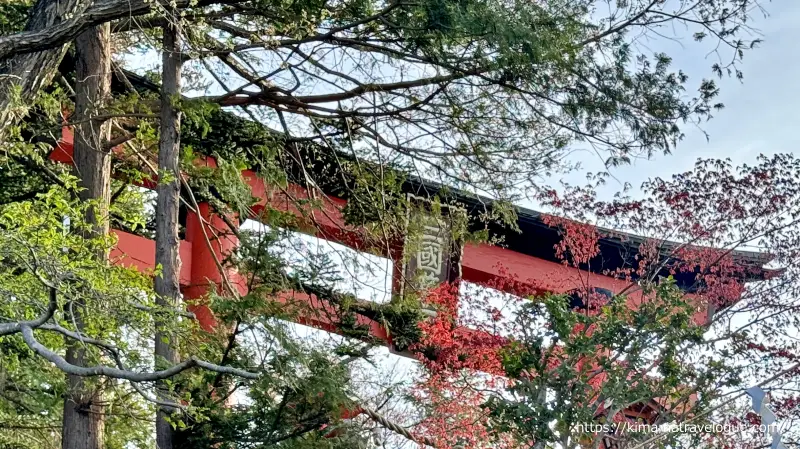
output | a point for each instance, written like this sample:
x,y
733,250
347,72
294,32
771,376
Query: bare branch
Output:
x,y
116,373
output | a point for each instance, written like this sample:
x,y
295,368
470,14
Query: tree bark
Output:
x,y
28,60
167,285
95,13
84,420
24,75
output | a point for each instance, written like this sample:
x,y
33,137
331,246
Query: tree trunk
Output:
x,y
30,72
167,285
541,400
84,420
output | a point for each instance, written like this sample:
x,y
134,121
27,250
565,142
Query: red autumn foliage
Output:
x,y
461,356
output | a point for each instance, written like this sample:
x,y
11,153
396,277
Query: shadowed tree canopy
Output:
x,y
476,93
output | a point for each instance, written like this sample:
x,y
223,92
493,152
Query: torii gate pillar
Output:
x,y
212,243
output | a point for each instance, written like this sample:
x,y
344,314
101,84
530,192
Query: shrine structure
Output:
x,y
527,256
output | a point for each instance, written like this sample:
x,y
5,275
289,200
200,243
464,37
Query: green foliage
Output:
x,y
612,355
40,245
13,15
374,197
31,396
303,389
211,131
401,321
22,179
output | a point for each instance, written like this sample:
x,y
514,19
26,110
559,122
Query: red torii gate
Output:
x,y
200,250
484,264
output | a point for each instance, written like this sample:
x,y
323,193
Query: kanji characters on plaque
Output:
x,y
430,256
433,256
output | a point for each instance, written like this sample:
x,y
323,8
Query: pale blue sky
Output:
x,y
760,114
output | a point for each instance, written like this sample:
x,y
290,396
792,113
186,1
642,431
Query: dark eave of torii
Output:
x,y
535,238
618,250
